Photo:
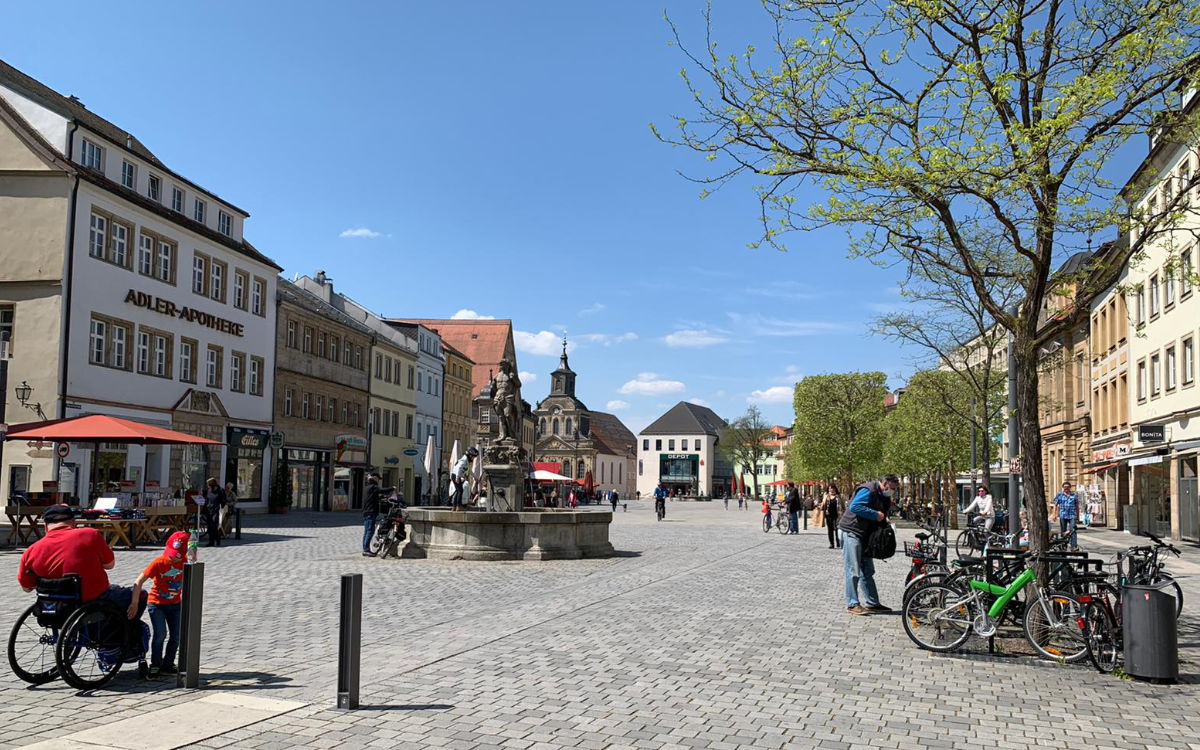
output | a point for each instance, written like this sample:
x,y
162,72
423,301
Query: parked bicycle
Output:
x,y
942,618
390,530
973,539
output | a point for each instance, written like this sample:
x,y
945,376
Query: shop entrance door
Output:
x,y
1189,504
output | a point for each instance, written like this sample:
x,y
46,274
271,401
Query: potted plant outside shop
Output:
x,y
280,496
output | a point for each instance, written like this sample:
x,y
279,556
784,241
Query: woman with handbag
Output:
x,y
832,505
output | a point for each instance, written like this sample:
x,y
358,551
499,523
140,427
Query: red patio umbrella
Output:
x,y
100,428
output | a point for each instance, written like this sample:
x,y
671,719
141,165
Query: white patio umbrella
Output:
x,y
431,463
543,475
477,475
454,455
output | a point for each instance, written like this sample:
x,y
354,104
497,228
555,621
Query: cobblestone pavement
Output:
x,y
702,632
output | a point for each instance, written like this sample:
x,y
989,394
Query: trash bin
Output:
x,y
1151,634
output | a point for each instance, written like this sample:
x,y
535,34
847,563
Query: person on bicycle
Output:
x,y
660,501
984,505
67,550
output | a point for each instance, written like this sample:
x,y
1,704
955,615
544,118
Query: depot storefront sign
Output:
x,y
679,467
190,314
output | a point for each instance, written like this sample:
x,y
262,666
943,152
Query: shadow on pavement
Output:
x,y
241,680
626,553
408,707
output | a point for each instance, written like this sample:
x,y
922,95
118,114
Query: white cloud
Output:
x,y
649,384
760,325
527,377
791,376
790,290
465,314
699,402
593,309
616,405
542,343
779,394
693,338
608,339
360,233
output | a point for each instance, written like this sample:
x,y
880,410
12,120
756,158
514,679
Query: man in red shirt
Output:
x,y
65,550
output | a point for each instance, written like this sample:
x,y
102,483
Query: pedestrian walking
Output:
x,y
831,504
554,498
214,499
370,513
231,498
1066,508
793,507
613,498
867,512
458,479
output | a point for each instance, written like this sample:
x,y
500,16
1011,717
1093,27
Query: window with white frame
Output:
x,y
224,223
1189,360
162,356
1169,289
304,406
257,364
99,342
1187,268
1154,309
199,210
1170,372
332,410
257,290
287,402
1141,306
321,344
97,237
145,259
143,352
216,280
6,327
129,175
1141,381
119,248
91,156
154,188
214,367
1155,375
187,360
308,336
239,290
166,261
120,340
199,274
291,334
176,200
237,366
319,410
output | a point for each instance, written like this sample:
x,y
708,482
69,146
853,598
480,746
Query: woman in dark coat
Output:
x,y
832,505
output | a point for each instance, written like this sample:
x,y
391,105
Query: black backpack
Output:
x,y
881,543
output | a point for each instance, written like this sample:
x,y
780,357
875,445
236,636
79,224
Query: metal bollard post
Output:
x,y
805,508
237,520
190,617
349,641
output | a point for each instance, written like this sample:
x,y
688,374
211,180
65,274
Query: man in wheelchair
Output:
x,y
80,628
66,549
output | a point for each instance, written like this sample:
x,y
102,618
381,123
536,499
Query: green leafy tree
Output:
x,y
743,442
963,136
839,426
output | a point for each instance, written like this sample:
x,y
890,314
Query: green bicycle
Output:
x,y
941,618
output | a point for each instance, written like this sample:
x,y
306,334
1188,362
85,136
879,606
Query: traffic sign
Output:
x,y
411,451
63,450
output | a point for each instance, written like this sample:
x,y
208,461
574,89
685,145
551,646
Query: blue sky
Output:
x,y
496,158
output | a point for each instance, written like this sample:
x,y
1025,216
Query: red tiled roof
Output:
x,y
484,342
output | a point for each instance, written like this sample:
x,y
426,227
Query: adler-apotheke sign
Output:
x,y
191,314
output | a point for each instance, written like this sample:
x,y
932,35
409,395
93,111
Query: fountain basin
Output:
x,y
531,534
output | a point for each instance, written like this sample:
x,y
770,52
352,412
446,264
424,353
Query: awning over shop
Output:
x,y
101,428
1101,467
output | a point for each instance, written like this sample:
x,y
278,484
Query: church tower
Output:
x,y
562,381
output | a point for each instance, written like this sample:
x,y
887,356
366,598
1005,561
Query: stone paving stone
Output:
x,y
712,635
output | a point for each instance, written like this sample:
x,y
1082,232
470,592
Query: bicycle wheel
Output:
x,y
91,649
1103,640
938,618
31,649
1053,626
921,581
968,543
781,524
766,523
378,540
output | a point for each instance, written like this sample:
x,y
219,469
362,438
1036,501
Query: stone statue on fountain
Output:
x,y
504,459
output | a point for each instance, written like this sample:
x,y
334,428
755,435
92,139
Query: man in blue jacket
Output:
x,y
868,510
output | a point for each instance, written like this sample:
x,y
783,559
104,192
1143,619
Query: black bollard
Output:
x,y
349,641
237,520
806,517
190,616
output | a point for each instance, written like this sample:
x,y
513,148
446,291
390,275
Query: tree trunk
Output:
x,y
1030,435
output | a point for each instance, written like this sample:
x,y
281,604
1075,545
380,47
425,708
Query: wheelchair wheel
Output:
x,y
31,649
91,649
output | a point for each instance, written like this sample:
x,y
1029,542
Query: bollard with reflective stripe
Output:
x,y
190,616
349,641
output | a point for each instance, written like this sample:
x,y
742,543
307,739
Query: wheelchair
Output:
x,y
85,643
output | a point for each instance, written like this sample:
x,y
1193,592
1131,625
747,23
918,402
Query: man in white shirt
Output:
x,y
984,505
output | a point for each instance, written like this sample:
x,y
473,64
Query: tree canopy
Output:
x,y
744,442
839,426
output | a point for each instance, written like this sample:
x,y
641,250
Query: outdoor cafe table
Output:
x,y
25,520
125,530
161,522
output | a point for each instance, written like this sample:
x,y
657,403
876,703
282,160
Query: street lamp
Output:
x,y
24,391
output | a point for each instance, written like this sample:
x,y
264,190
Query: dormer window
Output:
x,y
224,223
199,210
154,189
129,175
91,156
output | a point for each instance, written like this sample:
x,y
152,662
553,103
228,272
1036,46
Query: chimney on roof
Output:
x,y
75,100
326,286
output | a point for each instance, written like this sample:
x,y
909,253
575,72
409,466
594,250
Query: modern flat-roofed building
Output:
x,y
679,450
